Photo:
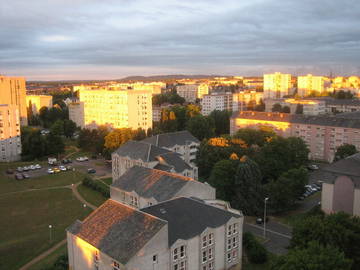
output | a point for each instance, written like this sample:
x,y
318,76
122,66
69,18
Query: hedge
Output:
x,y
94,185
255,251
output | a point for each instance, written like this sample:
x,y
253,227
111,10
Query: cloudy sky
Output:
x,y
107,39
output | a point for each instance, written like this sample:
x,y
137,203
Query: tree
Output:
x,y
54,144
117,137
284,192
139,134
337,230
33,143
201,127
248,189
254,136
344,151
58,127
277,107
69,128
221,120
299,109
260,107
285,109
314,257
222,178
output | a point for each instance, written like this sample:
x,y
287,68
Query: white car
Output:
x,y
37,166
79,159
62,168
50,171
32,167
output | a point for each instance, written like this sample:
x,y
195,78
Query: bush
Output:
x,y
255,251
90,183
61,263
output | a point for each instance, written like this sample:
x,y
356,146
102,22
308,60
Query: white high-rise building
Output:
x,y
117,108
190,92
276,85
10,141
308,84
220,102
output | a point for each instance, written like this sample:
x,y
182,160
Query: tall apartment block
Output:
x,y
117,108
76,113
10,142
38,101
13,91
276,85
220,102
190,92
308,84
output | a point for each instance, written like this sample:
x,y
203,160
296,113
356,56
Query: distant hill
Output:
x,y
167,77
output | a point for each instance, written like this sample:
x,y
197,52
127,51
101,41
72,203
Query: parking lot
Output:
x,y
101,167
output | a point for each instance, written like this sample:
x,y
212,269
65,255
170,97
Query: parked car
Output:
x,y
260,220
301,198
56,170
85,158
37,166
91,170
19,169
26,168
19,176
62,168
50,171
68,168
311,189
79,159
313,167
9,171
32,167
26,176
52,161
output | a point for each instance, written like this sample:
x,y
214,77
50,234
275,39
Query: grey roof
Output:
x,y
349,166
321,120
150,183
343,102
171,139
140,150
175,161
117,230
349,115
188,217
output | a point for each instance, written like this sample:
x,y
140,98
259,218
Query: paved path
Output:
x,y
46,253
278,236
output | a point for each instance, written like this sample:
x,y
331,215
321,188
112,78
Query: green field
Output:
x,y
25,219
49,260
91,196
107,180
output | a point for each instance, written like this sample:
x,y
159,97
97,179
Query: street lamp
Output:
x,y
265,201
50,227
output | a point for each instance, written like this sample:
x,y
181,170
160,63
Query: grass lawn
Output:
x,y
91,196
49,260
80,154
107,180
25,219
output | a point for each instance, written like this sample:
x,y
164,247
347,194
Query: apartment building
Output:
x,y
309,84
76,113
277,85
147,155
141,187
191,92
157,110
13,92
179,234
219,101
10,141
181,142
322,134
309,106
342,105
117,108
36,102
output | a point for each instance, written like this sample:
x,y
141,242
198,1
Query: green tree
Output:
x,y
254,136
33,143
221,120
314,257
201,127
285,109
58,127
69,128
344,151
139,134
222,178
54,144
117,137
277,107
338,230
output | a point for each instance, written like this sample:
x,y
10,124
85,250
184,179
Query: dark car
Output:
x,y
18,176
260,220
26,176
91,170
9,171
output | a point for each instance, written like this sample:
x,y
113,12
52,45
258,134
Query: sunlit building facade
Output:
x,y
309,84
322,134
277,85
13,91
10,142
191,92
220,102
36,102
117,108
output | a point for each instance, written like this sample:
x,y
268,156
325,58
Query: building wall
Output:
x,y
343,199
13,91
204,192
38,101
356,206
76,114
327,195
310,83
188,91
276,85
10,141
220,102
117,108
121,164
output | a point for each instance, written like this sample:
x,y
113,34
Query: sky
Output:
x,y
106,39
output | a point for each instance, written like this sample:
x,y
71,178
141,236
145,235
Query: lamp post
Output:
x,y
265,201
50,236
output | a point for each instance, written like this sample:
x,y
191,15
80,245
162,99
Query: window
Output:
x,y
175,254
182,251
234,228
204,256
96,256
211,266
211,238
210,254
155,259
234,254
204,243
182,265
229,230
229,244
229,257
116,266
234,242
176,266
